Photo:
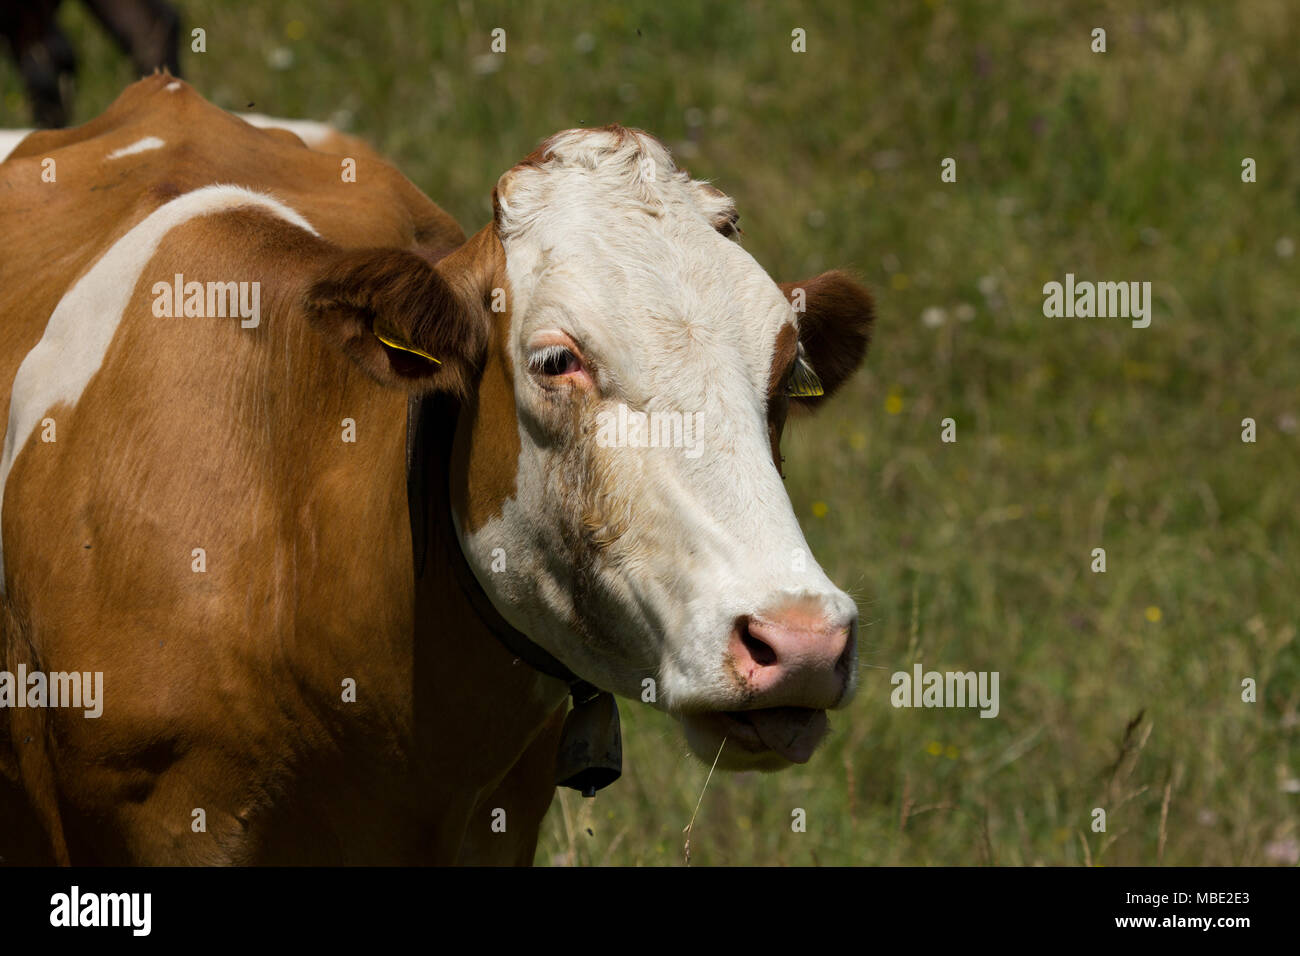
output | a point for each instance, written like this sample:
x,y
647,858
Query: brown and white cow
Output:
x,y
183,513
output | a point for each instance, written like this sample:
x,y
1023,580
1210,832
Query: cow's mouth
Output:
x,y
765,739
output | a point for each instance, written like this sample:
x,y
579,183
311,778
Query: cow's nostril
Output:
x,y
759,651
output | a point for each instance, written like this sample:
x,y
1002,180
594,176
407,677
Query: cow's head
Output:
x,y
626,369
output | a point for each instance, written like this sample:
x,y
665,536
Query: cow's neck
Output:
x,y
590,749
465,679
430,424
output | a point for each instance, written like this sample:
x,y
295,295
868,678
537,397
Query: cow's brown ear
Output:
x,y
835,316
398,318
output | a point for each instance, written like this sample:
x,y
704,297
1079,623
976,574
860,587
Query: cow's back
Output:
x,y
66,195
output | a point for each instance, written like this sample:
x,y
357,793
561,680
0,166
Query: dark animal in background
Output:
x,y
147,30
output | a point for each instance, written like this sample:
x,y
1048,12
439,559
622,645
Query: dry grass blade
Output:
x,y
686,847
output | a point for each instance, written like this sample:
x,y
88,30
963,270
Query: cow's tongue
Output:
x,y
793,732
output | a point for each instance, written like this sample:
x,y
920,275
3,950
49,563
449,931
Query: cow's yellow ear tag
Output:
x,y
804,382
393,339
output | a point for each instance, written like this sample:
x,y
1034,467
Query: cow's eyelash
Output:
x,y
552,360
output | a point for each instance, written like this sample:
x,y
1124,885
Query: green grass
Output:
x,y
1072,433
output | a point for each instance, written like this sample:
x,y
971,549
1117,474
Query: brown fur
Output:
x,y
351,291
223,689
835,328
778,377
487,445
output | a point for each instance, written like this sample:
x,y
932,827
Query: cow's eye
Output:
x,y
552,360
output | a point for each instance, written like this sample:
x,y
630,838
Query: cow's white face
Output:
x,y
634,323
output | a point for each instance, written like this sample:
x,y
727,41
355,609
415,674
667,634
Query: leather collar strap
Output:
x,y
590,754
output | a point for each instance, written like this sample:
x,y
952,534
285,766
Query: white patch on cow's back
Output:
x,y
81,328
139,146
173,86
9,140
309,131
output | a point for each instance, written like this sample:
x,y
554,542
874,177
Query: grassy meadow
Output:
x,y
1121,690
